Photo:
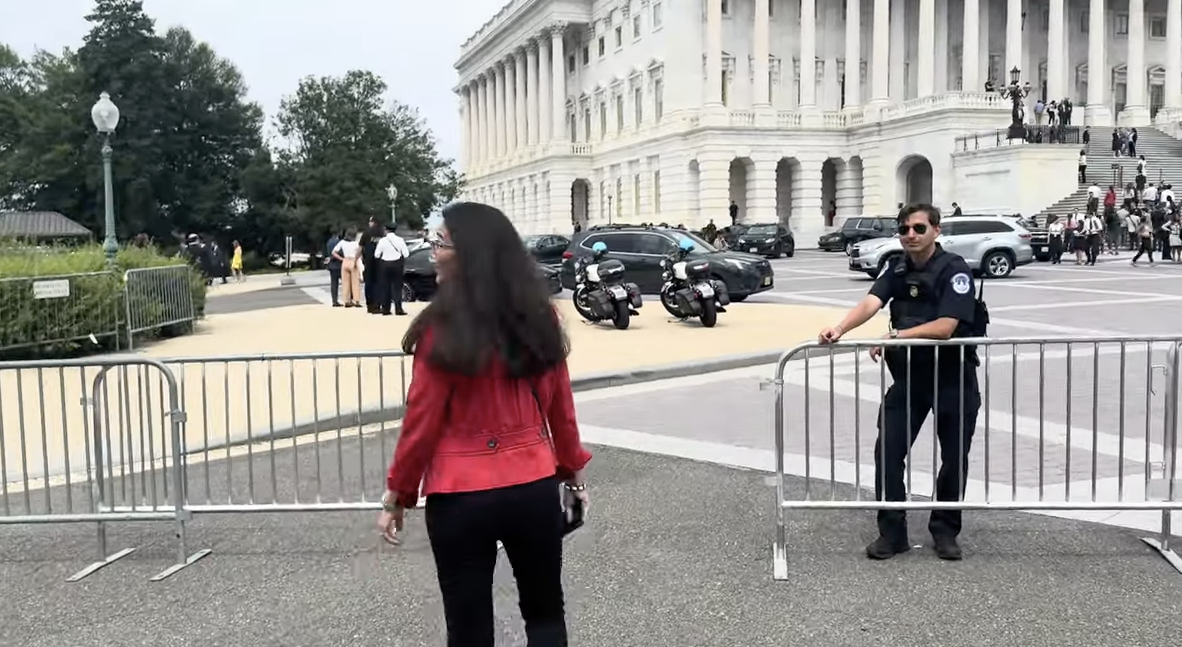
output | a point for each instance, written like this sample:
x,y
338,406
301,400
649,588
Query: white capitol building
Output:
x,y
593,111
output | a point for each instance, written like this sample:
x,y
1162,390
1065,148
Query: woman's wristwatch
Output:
x,y
390,502
570,487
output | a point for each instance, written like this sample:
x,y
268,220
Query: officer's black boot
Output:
x,y
892,536
947,548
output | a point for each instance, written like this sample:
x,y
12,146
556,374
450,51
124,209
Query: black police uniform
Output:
x,y
942,287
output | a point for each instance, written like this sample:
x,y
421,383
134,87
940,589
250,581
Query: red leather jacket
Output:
x,y
466,434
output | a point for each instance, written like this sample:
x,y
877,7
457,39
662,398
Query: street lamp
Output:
x,y
1016,92
392,193
105,115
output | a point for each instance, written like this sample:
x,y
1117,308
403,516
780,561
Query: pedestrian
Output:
x,y
1055,230
370,271
236,263
1145,234
931,296
390,254
1094,228
348,252
334,270
490,424
1083,166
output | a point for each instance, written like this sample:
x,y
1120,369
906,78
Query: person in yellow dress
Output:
x,y
236,263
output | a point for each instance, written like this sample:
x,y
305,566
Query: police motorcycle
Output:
x,y
688,290
600,291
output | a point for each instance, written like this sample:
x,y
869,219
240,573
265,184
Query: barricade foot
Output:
x,y
779,563
1172,557
111,559
176,568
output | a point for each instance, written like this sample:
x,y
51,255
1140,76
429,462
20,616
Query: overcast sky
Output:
x,y
412,44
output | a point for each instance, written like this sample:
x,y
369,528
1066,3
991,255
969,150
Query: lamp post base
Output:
x,y
1016,131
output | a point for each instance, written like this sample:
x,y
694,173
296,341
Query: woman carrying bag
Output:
x,y
490,431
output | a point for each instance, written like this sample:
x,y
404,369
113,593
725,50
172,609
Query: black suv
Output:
x,y
856,229
641,249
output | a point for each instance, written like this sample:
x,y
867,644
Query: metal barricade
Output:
x,y
290,432
45,311
1030,448
156,297
92,441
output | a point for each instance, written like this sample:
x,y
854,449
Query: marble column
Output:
x,y
531,93
714,52
898,52
761,187
714,187
558,71
880,60
853,57
544,100
970,55
510,106
482,108
1056,59
466,124
808,53
1173,89
1097,110
927,53
519,129
1014,41
759,55
1136,111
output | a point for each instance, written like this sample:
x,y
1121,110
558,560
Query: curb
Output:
x,y
592,382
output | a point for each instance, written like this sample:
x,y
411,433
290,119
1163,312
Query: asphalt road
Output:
x,y
676,552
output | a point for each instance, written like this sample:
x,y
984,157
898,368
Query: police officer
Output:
x,y
931,295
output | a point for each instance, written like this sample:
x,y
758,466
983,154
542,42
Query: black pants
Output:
x,y
464,530
1093,248
897,434
1146,248
1056,249
334,284
372,272
390,285
1083,173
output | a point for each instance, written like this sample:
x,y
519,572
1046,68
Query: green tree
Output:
x,y
344,146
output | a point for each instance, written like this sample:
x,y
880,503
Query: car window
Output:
x,y
980,227
950,228
606,239
653,244
996,227
699,244
851,223
762,230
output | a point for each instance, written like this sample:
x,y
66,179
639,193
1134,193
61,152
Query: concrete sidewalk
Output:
x,y
235,392
675,553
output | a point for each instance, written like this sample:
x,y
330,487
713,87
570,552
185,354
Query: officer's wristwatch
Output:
x,y
893,334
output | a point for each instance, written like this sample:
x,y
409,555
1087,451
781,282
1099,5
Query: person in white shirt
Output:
x,y
1094,227
1131,222
390,254
1055,229
1150,194
348,252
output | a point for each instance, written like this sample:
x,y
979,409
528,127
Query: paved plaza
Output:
x,y
677,550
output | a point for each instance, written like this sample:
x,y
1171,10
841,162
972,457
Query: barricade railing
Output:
x,y
1082,425
42,311
157,297
290,432
94,440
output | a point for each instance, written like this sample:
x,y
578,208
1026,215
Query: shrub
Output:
x,y
95,305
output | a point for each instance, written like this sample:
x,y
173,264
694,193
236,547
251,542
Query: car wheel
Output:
x,y
408,293
997,265
849,247
791,250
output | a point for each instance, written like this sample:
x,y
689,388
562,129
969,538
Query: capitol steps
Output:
x,y
1163,156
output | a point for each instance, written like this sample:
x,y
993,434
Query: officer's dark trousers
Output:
x,y
372,277
334,284
390,285
897,434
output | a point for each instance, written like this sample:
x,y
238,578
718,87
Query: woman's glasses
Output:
x,y
437,242
919,229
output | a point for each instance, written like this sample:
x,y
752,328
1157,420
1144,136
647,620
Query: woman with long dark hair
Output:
x,y
490,430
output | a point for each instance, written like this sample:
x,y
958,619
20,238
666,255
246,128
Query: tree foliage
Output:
x,y
189,153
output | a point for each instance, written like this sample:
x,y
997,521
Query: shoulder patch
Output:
x,y
961,283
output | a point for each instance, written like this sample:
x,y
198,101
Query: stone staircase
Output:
x,y
1163,156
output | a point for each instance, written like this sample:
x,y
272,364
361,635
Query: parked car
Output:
x,y
641,249
771,239
729,236
855,230
546,248
992,246
418,281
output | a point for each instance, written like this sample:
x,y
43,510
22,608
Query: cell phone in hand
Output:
x,y
573,514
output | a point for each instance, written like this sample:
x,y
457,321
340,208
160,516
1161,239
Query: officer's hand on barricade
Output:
x,y
830,335
876,351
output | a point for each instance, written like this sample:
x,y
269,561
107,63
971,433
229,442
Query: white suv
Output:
x,y
993,246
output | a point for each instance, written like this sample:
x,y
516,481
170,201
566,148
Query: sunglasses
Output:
x,y
919,229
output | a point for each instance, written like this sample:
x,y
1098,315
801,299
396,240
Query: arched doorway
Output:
x,y
739,175
914,180
580,204
831,172
787,173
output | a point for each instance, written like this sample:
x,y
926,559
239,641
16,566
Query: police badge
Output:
x,y
914,292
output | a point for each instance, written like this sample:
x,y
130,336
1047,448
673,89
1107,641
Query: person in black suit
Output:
x,y
369,244
391,256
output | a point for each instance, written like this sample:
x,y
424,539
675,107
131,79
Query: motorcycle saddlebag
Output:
x,y
633,294
687,303
601,304
720,293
